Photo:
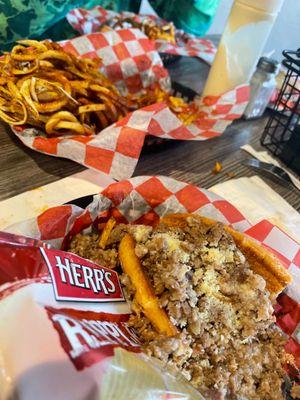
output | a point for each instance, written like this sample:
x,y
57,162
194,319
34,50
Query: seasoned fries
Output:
x,y
186,112
150,28
46,87
43,86
155,32
144,295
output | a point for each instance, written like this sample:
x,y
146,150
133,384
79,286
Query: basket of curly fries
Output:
x,y
95,98
44,86
154,279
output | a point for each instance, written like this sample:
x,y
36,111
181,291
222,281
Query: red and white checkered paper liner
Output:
x,y
89,21
144,199
129,58
131,63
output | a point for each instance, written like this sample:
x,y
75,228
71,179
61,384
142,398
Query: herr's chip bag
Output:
x,y
64,332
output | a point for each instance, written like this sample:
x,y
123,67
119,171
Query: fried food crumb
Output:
x,y
217,168
231,174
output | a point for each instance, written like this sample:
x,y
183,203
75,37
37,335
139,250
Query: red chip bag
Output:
x,y
64,334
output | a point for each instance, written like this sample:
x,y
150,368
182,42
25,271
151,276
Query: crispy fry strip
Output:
x,y
144,295
102,119
91,108
55,54
18,53
25,92
33,43
64,120
14,90
52,106
12,119
109,226
27,69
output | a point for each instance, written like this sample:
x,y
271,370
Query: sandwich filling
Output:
x,y
227,344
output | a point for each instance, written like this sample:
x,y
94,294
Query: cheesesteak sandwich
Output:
x,y
201,296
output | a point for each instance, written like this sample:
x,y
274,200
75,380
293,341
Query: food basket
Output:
x,y
133,66
139,200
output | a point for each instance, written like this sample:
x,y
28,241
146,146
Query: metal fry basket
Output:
x,y
281,135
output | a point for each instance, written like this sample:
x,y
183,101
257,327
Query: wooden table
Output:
x,y
24,169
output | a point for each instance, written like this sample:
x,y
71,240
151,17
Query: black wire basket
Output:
x,y
282,133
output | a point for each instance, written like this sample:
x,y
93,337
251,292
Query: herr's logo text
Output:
x,y
77,279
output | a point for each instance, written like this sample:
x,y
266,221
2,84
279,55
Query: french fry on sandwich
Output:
x,y
106,232
144,294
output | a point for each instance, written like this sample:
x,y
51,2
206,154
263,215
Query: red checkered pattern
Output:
x,y
191,47
287,310
116,149
129,58
145,199
89,21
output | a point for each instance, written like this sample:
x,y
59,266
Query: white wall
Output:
x,y
285,33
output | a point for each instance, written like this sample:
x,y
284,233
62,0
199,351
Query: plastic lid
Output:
x,y
270,6
267,64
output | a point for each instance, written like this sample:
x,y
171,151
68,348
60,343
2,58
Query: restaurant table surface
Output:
x,y
22,169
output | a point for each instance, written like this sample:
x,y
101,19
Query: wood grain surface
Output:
x,y
23,169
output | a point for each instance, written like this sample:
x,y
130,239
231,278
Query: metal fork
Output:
x,y
271,169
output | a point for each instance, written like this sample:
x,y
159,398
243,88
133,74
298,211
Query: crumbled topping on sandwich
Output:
x,y
227,346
